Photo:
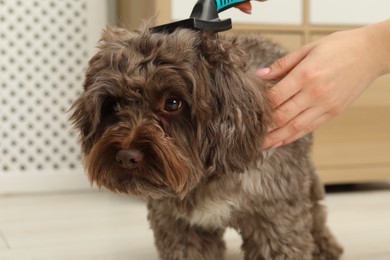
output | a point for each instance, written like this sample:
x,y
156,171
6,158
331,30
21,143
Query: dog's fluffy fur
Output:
x,y
180,119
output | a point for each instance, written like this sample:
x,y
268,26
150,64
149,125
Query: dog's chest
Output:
x,y
213,212
214,204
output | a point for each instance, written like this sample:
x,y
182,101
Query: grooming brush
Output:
x,y
204,16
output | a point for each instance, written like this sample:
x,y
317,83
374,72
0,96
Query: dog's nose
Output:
x,y
129,158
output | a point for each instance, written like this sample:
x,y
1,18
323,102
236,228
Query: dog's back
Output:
x,y
260,52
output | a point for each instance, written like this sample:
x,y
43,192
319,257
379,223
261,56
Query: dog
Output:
x,y
179,119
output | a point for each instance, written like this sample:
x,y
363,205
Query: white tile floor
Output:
x,y
100,225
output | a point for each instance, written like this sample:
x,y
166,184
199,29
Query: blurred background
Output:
x,y
48,210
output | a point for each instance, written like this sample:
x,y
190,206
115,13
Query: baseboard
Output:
x,y
33,182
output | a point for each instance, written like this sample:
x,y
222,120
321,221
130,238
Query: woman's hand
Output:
x,y
247,6
322,78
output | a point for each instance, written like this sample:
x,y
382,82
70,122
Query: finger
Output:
x,y
318,122
284,90
245,7
290,109
302,124
284,65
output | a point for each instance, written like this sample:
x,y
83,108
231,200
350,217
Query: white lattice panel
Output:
x,y
43,51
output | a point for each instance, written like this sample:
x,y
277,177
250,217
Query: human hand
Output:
x,y
321,79
247,6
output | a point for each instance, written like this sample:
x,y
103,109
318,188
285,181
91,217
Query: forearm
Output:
x,y
378,38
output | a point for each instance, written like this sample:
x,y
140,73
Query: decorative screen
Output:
x,y
43,53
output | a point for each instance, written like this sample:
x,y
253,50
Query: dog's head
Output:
x,y
161,112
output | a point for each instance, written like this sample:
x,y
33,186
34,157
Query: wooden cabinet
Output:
x,y
354,147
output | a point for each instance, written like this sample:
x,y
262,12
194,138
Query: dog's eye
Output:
x,y
172,104
109,107
116,107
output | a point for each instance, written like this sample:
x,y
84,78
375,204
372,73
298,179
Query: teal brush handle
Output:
x,y
207,10
226,4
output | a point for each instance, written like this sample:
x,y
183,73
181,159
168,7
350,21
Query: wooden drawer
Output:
x,y
355,147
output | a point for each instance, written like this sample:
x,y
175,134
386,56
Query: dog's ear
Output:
x,y
236,133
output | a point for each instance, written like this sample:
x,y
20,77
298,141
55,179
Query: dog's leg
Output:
x,y
176,239
281,231
326,246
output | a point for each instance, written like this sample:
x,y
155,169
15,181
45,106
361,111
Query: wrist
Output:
x,y
378,38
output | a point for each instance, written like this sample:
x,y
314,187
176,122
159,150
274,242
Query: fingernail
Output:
x,y
263,71
247,11
277,145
